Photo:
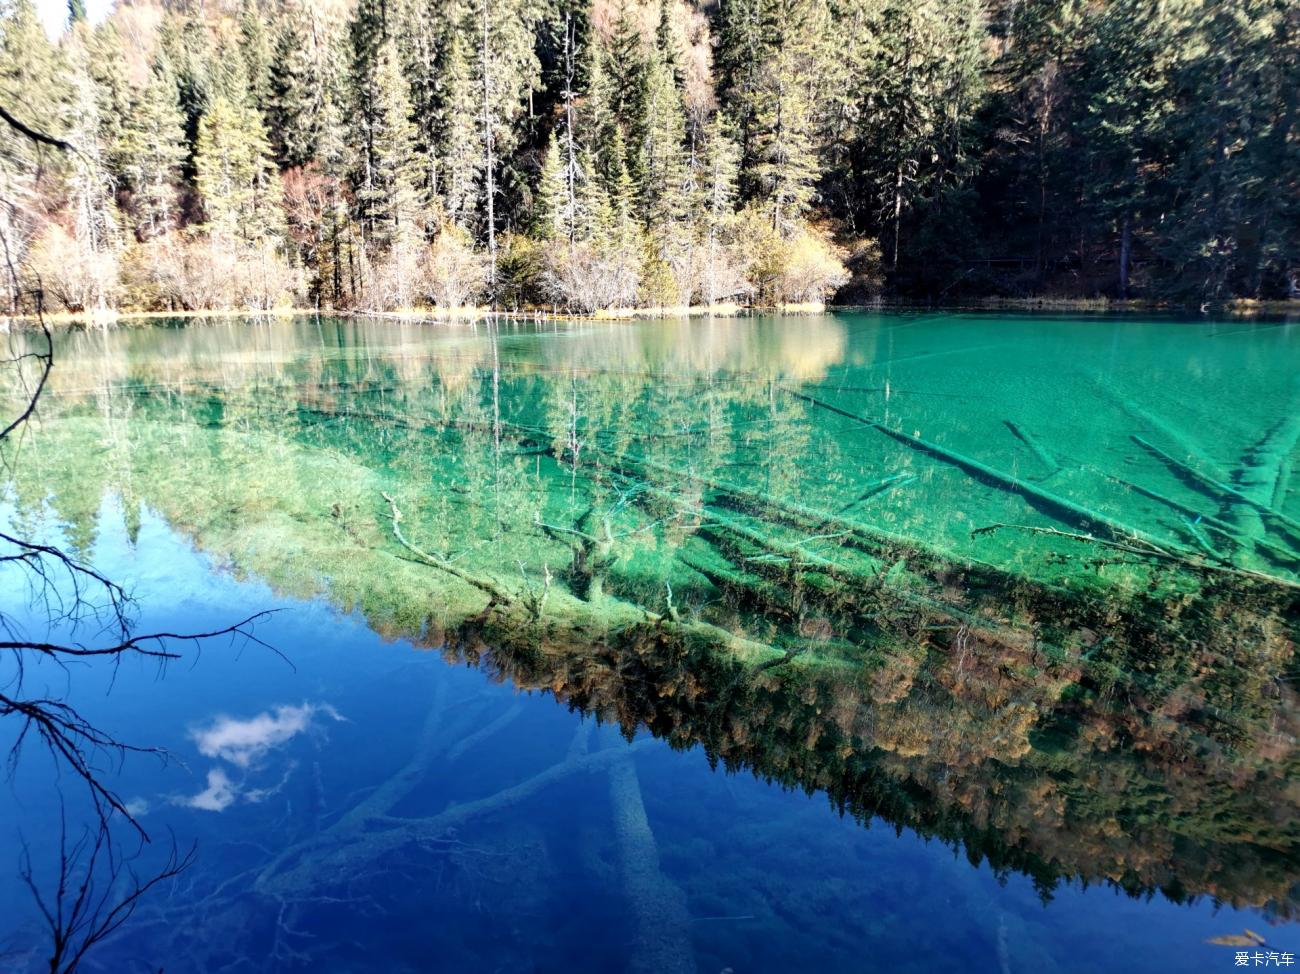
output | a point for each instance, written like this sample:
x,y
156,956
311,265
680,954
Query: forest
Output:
x,y
589,155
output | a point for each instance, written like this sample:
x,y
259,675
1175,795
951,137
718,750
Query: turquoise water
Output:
x,y
790,700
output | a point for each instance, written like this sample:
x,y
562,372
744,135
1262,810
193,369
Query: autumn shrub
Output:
x,y
77,277
521,269
194,272
454,273
588,277
803,265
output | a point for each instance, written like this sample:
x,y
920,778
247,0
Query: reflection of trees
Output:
x,y
694,549
95,890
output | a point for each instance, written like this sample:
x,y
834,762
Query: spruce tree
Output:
x,y
719,171
388,198
256,47
597,115
552,215
91,186
152,151
32,89
626,65
663,153
506,73
1129,107
298,86
459,130
666,42
189,50
741,49
234,174
783,161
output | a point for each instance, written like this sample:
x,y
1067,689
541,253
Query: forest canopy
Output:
x,y
585,155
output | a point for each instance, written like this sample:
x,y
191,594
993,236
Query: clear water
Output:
x,y
791,699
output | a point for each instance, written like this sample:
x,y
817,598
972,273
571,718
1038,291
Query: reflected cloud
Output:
x,y
244,742
217,797
223,791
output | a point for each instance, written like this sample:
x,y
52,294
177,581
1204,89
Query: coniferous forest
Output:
x,y
584,155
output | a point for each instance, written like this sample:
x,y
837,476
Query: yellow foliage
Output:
x,y
804,266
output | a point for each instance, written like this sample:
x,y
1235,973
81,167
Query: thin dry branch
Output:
x,y
96,893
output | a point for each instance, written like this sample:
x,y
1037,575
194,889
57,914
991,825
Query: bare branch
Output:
x,y
34,134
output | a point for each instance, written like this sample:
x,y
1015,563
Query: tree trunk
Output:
x,y
898,210
489,176
1125,249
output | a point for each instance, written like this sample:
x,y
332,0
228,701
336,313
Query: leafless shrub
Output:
x,y
587,278
79,278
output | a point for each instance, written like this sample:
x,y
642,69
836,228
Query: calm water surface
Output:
x,y
850,643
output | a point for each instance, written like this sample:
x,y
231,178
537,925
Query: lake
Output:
x,y
857,642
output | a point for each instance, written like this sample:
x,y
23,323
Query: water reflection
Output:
x,y
1046,613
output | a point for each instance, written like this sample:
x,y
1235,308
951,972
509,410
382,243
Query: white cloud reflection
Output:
x,y
217,797
244,744
223,791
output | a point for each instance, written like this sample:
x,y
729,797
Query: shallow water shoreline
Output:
x,y
1239,308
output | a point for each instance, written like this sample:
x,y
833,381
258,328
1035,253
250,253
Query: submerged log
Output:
x,y
1265,468
1170,432
1227,493
1036,448
661,924
1054,505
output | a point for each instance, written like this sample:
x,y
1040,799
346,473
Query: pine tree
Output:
x,y
458,131
152,151
783,161
388,198
234,174
552,215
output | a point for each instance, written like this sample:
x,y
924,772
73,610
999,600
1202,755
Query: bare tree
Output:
x,y
94,894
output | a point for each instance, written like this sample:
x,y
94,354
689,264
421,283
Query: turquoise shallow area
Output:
x,y
1065,741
